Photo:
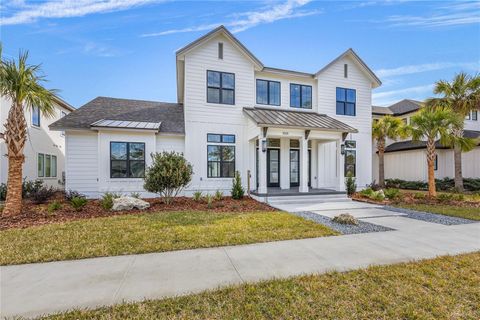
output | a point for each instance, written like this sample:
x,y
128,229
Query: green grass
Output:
x,y
154,232
448,210
442,288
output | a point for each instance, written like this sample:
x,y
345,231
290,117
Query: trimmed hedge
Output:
x,y
445,184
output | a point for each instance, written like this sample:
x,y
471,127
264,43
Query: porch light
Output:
x,y
264,145
342,149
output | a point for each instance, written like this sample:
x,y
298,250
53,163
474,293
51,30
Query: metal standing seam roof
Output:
x,y
141,125
297,119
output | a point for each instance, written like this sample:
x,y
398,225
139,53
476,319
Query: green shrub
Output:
x,y
445,197
70,194
107,200
169,173
135,195
350,184
391,193
209,200
42,194
237,189
378,195
459,197
3,192
445,184
78,203
218,195
368,192
197,195
54,206
31,187
419,195
345,218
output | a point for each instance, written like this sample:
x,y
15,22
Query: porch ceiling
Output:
x,y
296,119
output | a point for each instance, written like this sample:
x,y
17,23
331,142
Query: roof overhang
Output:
x,y
296,120
126,125
368,72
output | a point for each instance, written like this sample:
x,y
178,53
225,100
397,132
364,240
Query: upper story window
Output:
x,y
300,96
220,50
36,116
268,92
127,159
220,87
472,115
346,101
345,70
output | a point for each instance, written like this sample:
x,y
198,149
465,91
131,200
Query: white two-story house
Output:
x,y
406,159
280,129
44,150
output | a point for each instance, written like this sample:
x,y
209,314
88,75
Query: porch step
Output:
x,y
303,199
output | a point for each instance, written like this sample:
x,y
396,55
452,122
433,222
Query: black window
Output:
x,y
221,161
350,162
345,70
300,96
220,50
350,144
475,115
220,87
435,163
224,138
127,159
36,116
268,92
346,101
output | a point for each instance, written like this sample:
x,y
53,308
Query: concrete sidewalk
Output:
x,y
35,289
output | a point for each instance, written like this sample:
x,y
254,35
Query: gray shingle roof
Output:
x,y
297,119
169,114
414,145
381,110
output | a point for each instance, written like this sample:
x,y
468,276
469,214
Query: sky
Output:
x,y
126,48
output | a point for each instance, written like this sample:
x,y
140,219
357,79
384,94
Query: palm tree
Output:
x,y
462,95
21,83
386,127
433,122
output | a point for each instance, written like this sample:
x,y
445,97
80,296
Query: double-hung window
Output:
x,y
300,96
220,156
47,165
475,115
127,159
36,116
346,101
220,87
350,158
268,92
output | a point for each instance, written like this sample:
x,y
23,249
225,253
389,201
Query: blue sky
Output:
x,y
126,48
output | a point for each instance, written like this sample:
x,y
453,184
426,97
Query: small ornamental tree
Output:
x,y
169,173
351,184
237,189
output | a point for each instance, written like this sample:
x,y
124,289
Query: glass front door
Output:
x,y
273,167
294,168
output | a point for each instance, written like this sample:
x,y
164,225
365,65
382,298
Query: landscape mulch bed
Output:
x,y
408,198
37,214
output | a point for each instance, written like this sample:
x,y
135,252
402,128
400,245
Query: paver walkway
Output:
x,y
35,289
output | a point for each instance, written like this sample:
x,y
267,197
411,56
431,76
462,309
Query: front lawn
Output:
x,y
471,213
442,288
150,232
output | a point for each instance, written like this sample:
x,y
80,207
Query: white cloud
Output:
x,y
419,68
247,20
388,97
28,13
455,14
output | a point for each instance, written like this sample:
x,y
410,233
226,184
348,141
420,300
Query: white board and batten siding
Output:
x,y
327,82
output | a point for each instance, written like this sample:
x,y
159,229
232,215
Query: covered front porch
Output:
x,y
292,152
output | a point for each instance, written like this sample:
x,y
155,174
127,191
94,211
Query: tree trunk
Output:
x,y
15,137
381,162
457,155
13,203
432,192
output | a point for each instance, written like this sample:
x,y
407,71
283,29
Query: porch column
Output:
x,y
340,166
303,165
262,167
284,163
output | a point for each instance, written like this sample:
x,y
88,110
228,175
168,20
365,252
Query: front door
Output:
x,y
273,167
294,167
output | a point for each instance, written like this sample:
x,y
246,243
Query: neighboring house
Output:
x,y
405,159
44,150
280,129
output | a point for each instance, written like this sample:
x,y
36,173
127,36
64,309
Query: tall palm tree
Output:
x,y
386,127
21,83
437,122
462,95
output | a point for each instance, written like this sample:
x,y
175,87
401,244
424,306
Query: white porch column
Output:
x,y
303,165
341,166
262,167
284,163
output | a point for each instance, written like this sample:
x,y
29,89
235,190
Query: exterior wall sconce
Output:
x,y
342,149
264,145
